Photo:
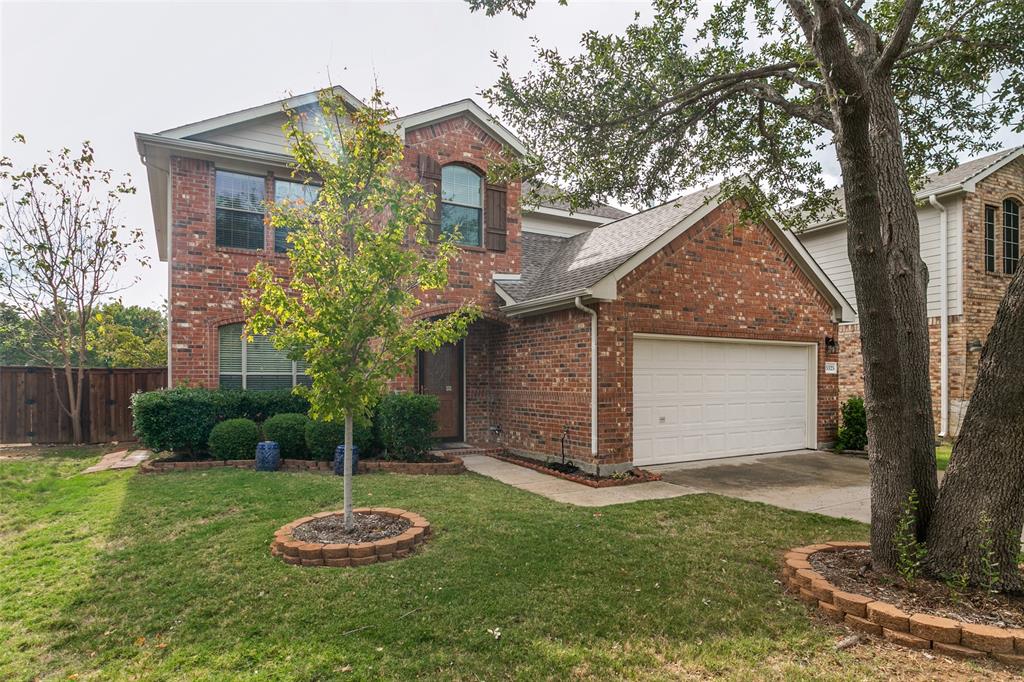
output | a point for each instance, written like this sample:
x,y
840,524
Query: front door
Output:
x,y
441,375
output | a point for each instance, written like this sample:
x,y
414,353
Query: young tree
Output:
x,y
893,87
359,256
61,246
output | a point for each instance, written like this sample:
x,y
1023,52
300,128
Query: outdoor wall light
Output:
x,y
831,345
974,345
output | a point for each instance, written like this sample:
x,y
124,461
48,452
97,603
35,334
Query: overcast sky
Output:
x,y
101,71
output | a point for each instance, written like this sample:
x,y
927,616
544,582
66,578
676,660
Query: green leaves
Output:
x,y
360,259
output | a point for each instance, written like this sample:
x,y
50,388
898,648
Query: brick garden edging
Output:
x,y
643,477
301,553
453,466
914,630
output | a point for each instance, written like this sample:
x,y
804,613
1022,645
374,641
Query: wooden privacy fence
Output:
x,y
30,410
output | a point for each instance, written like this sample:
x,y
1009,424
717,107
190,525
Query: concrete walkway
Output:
x,y
569,492
804,480
122,459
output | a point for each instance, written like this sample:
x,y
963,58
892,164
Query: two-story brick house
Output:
x,y
970,241
668,335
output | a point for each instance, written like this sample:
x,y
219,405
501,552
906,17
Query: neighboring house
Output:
x,y
977,206
710,338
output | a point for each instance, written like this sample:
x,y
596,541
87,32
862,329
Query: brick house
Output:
x,y
977,207
669,335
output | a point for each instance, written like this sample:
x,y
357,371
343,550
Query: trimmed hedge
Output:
x,y
322,438
288,430
234,439
405,423
182,418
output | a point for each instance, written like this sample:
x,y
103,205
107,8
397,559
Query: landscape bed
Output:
x,y
448,465
577,475
381,534
915,625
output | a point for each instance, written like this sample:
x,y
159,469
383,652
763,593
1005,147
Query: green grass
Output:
x,y
124,576
942,453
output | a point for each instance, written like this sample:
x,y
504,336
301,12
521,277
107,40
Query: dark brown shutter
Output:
x,y
430,178
495,218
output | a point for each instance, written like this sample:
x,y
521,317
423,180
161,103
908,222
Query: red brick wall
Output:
x,y
207,281
718,279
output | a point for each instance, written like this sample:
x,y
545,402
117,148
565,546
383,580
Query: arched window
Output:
x,y
462,204
1011,236
255,365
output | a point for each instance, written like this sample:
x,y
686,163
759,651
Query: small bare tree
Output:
x,y
61,246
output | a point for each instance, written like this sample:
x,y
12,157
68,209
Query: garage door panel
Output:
x,y
702,399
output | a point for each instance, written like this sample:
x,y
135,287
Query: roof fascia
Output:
x,y
463,107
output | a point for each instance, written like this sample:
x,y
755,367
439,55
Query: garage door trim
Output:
x,y
811,413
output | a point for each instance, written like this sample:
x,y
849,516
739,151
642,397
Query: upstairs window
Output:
x,y
461,204
1011,236
990,239
240,210
255,365
296,194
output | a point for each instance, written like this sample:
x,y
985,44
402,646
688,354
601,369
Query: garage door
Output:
x,y
704,399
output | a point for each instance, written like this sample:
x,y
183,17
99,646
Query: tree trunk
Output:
x,y
981,503
908,277
74,408
884,394
349,518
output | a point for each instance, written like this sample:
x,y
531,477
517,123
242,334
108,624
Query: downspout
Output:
x,y
593,374
944,319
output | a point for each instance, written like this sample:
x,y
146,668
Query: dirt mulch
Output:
x,y
367,528
850,570
571,472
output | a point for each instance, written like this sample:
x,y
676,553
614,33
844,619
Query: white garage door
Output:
x,y
704,399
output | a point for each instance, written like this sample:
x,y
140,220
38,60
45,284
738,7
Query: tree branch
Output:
x,y
900,36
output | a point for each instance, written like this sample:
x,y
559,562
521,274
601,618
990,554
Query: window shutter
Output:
x,y
495,217
430,179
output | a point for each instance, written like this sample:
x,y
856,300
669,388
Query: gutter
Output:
x,y
210,149
944,319
578,301
545,303
168,235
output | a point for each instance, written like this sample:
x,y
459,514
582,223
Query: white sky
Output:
x,y
101,71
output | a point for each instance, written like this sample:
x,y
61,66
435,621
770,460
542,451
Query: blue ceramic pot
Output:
x,y
268,456
339,460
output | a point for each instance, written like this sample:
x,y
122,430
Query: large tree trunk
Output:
x,y
908,277
884,394
982,497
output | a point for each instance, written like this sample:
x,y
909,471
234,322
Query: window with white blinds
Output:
x,y
255,365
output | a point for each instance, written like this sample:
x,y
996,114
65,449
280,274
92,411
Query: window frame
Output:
x,y
285,247
989,237
479,209
262,213
1011,236
243,373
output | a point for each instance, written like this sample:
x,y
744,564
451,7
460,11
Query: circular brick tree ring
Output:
x,y
945,636
302,553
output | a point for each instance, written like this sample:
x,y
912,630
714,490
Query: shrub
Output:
x,y
175,419
322,438
406,422
234,439
288,430
853,434
181,418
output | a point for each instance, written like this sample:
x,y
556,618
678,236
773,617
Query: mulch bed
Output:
x,y
850,570
577,475
367,528
426,458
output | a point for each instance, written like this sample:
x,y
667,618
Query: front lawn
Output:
x,y
119,575
942,454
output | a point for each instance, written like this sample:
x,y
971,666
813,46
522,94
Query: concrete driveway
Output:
x,y
804,480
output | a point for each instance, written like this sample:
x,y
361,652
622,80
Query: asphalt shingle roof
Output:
x,y
933,181
552,267
546,195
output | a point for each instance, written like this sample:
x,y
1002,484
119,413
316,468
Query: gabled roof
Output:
x,y
253,113
963,178
464,107
590,264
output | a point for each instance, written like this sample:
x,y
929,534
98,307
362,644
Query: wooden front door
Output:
x,y
441,375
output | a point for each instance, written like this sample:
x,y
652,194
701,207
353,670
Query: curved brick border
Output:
x,y
914,630
453,466
301,553
643,476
